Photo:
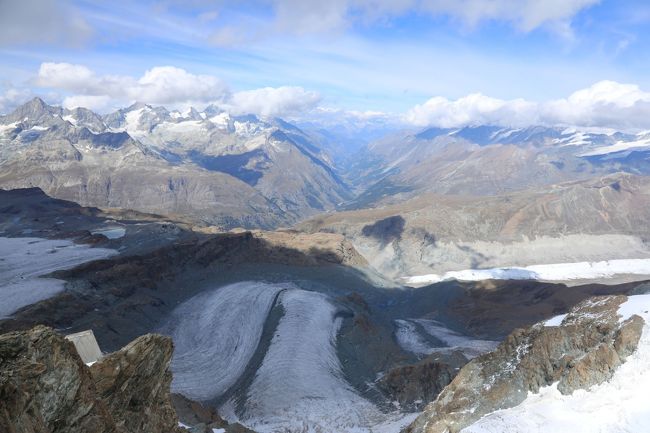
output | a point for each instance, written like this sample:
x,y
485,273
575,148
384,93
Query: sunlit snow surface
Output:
x,y
299,386
550,272
24,260
617,406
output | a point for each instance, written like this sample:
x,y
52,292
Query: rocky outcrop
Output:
x,y
415,385
203,419
134,384
46,388
584,350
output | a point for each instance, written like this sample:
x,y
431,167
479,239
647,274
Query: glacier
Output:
x,y
215,335
23,261
548,272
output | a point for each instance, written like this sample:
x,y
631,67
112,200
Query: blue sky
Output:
x,y
363,55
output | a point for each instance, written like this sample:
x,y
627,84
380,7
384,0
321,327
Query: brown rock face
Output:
x,y
46,388
583,351
413,386
134,383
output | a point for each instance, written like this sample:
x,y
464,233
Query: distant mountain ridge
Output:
x,y
210,166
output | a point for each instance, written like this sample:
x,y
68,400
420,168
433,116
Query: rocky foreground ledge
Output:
x,y
576,351
46,388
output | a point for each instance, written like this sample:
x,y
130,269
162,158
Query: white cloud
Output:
x,y
317,16
97,103
170,86
527,15
472,109
605,104
270,101
159,85
12,97
306,16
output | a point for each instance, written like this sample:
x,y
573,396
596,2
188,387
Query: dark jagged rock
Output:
x,y
415,385
583,351
46,388
134,383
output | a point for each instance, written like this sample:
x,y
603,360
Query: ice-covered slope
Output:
x,y
24,260
298,385
216,334
414,335
617,406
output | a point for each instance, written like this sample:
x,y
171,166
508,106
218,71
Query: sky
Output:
x,y
421,62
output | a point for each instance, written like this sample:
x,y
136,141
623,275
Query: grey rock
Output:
x,y
583,351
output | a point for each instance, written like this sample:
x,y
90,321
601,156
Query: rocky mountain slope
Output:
x,y
592,220
490,160
575,351
230,172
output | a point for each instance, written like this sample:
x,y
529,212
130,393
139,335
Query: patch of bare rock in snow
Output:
x,y
586,371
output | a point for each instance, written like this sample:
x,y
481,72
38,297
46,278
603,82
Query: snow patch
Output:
x,y
555,321
24,260
409,338
549,272
110,232
619,146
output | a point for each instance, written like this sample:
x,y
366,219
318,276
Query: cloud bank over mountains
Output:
x,y
170,86
605,104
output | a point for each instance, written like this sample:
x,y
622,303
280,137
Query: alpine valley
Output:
x,y
298,277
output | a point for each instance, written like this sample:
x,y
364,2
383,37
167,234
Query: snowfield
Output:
x,y
550,272
618,406
215,335
111,232
412,335
24,260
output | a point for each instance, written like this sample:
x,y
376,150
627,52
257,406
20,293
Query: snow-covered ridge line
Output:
x,y
548,272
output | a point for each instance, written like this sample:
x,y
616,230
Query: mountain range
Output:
x,y
413,202
209,167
